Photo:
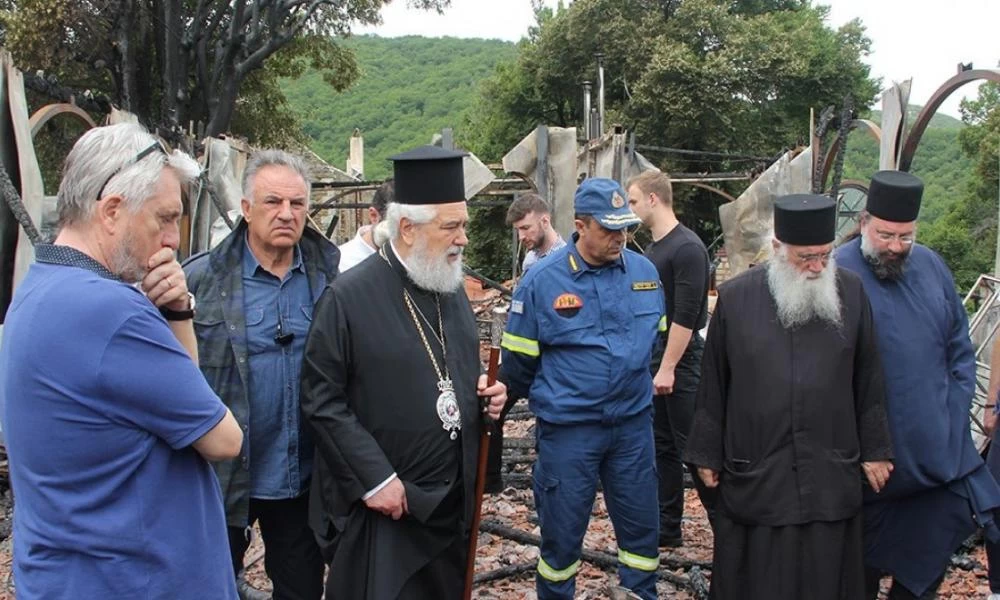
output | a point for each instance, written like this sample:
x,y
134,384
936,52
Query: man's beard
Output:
x,y
435,273
124,262
800,299
537,241
885,265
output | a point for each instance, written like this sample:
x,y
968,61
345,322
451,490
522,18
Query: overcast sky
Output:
x,y
922,39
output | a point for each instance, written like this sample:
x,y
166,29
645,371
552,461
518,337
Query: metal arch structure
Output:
x,y
942,93
48,112
836,147
710,188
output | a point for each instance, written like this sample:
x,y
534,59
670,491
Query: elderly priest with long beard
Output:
x,y
790,419
391,385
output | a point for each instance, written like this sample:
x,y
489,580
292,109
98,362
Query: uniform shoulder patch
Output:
x,y
643,286
517,307
567,301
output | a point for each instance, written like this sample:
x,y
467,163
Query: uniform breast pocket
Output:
x,y
566,330
646,315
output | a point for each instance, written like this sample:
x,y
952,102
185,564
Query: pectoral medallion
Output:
x,y
447,408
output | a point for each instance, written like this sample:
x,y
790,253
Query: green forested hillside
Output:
x,y
410,88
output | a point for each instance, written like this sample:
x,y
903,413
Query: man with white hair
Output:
x,y
109,423
391,385
790,418
936,499
257,290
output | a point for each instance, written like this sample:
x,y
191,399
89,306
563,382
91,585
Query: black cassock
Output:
x,y
786,417
369,392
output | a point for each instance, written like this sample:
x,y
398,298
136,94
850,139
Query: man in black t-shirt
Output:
x,y
682,261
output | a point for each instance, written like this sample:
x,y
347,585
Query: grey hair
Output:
x,y
416,213
273,157
105,156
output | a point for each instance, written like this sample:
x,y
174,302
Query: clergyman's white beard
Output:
x,y
433,272
800,299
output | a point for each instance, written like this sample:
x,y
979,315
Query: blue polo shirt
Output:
x,y
101,406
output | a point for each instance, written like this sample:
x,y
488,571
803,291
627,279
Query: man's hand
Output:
x,y
663,382
496,396
709,477
390,500
165,284
877,473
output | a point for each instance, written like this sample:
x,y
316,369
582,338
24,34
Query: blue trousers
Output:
x,y
570,460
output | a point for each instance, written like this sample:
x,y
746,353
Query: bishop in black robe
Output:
x,y
370,392
786,416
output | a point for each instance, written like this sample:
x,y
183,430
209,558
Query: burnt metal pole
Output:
x,y
600,94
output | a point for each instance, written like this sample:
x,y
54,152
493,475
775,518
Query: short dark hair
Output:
x,y
385,194
524,204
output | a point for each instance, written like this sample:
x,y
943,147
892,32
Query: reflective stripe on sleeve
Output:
x,y
520,345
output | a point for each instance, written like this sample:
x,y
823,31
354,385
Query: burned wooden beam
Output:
x,y
505,572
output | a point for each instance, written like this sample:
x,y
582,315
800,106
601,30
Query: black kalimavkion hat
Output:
x,y
428,175
805,219
895,196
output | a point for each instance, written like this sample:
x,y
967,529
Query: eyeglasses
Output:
x,y
157,145
905,239
823,257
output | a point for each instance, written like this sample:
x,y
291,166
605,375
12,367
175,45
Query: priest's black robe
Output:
x,y
786,417
369,392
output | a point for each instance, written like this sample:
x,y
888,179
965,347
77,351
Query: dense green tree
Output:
x,y
719,75
173,62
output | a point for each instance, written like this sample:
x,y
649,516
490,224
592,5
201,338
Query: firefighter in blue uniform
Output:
x,y
582,325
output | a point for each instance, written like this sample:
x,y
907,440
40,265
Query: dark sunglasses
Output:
x,y
157,145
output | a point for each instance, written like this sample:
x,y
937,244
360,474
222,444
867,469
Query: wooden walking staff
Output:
x,y
496,332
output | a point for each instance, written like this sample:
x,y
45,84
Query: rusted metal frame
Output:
x,y
48,112
710,188
929,109
702,153
838,146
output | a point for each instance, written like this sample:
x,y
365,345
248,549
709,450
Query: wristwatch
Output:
x,y
179,315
